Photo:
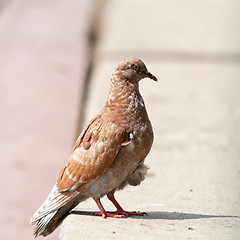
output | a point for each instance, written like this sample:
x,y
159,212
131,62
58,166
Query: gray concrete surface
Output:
x,y
193,187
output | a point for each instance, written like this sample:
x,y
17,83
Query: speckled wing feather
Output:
x,y
93,153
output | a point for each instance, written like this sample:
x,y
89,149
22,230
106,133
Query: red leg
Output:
x,y
103,213
120,210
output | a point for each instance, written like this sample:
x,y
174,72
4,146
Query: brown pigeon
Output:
x,y
108,155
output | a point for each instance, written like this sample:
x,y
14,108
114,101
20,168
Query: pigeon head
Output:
x,y
133,69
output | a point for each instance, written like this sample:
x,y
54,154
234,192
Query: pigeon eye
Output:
x,y
135,67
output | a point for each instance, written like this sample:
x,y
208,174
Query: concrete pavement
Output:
x,y
192,190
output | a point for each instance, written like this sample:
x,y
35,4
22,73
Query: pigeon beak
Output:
x,y
149,75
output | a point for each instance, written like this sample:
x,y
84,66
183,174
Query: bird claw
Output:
x,y
109,214
120,214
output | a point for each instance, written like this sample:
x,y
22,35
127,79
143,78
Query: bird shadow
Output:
x,y
163,215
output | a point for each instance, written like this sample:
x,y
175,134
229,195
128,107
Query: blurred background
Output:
x,y
56,58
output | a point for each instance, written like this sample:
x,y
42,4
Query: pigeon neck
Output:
x,y
122,92
124,103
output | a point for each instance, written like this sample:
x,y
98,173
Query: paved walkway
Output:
x,y
192,191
